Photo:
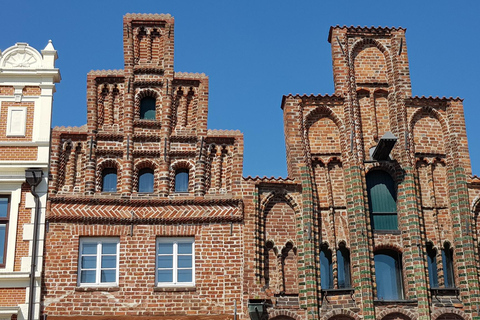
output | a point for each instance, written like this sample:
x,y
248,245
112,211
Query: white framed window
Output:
x,y
16,121
98,262
175,265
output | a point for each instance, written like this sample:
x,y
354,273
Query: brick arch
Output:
x,y
107,163
388,246
317,114
146,92
182,164
142,164
365,43
421,113
396,313
340,314
449,314
279,314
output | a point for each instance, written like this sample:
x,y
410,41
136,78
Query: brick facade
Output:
x,y
273,241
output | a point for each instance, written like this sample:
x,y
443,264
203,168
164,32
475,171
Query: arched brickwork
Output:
x,y
371,45
340,314
396,314
449,314
329,133
284,315
150,92
423,113
104,164
182,164
142,164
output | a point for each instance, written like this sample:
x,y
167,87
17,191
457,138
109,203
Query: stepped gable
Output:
x,y
272,179
372,31
190,76
435,99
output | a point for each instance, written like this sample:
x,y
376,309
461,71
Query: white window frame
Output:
x,y
174,242
99,242
17,131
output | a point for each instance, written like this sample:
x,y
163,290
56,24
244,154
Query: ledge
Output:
x,y
401,302
99,288
445,292
335,292
174,289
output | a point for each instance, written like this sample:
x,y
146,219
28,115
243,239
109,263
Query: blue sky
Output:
x,y
254,52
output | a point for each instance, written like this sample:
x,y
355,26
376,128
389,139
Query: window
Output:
x,y
109,180
388,272
181,180
147,108
382,200
343,266
145,180
432,265
447,261
4,216
326,269
98,262
175,262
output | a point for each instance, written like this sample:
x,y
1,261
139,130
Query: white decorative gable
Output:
x,y
21,55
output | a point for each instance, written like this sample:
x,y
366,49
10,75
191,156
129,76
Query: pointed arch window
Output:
x,y
447,261
326,268
145,180
181,180
388,272
343,267
109,180
382,200
432,265
147,108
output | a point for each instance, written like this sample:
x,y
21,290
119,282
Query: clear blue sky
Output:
x,y
254,53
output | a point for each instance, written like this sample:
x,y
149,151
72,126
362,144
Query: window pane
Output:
x,y
3,207
147,108
184,261
385,221
388,275
109,180
145,180
109,261
432,268
165,262
181,180
165,248
108,276
165,275
448,274
109,248
326,274
3,240
87,276
184,248
343,262
382,195
89,262
185,275
89,248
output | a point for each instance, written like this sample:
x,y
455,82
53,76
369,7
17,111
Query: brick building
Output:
x,y
27,84
149,215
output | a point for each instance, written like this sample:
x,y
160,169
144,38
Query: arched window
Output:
x,y
147,108
181,180
382,200
388,272
432,265
343,266
447,261
109,180
326,269
145,180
